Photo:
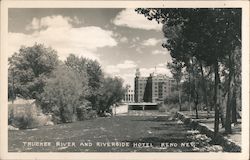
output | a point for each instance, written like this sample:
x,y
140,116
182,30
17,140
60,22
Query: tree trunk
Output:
x,y
216,105
179,94
189,96
231,87
234,108
196,96
228,128
196,104
204,90
221,116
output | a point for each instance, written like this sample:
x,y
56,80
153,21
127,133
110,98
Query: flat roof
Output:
x,y
142,103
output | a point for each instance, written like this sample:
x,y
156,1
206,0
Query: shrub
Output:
x,y
28,120
55,113
62,94
10,116
85,112
186,106
162,109
92,114
67,116
25,121
62,114
172,108
173,98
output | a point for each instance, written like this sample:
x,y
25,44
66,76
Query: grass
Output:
x,y
132,129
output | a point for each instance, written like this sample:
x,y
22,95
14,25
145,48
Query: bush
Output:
x,y
162,109
67,116
186,106
85,112
10,117
62,114
173,98
55,113
171,108
26,121
92,114
62,94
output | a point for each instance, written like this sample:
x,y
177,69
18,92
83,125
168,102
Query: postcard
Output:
x,y
124,80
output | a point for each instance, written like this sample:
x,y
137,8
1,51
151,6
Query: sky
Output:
x,y
118,38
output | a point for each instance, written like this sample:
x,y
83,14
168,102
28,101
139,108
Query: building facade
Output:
x,y
154,88
129,95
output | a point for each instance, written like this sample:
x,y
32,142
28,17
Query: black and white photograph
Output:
x,y
126,79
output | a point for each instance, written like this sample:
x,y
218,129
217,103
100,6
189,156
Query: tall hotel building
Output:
x,y
154,88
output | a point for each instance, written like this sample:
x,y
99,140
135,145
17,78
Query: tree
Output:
x,y
208,35
204,88
92,77
112,93
79,66
95,82
231,112
29,68
61,95
176,70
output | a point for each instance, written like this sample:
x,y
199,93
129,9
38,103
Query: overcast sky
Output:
x,y
120,39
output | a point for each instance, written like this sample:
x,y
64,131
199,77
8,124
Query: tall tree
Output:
x,y
204,88
61,95
176,70
79,66
206,34
92,76
112,92
29,69
95,82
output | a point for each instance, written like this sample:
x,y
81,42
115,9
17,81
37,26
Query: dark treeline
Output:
x,y
205,46
69,90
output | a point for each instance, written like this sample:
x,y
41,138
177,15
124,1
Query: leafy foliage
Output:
x,y
26,120
207,37
62,93
96,82
28,70
112,93
79,67
92,77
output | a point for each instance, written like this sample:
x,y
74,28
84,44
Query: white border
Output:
x,y
124,4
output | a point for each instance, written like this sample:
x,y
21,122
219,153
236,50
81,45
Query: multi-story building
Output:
x,y
154,88
140,85
129,95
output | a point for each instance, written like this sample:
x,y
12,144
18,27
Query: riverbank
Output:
x,y
204,124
